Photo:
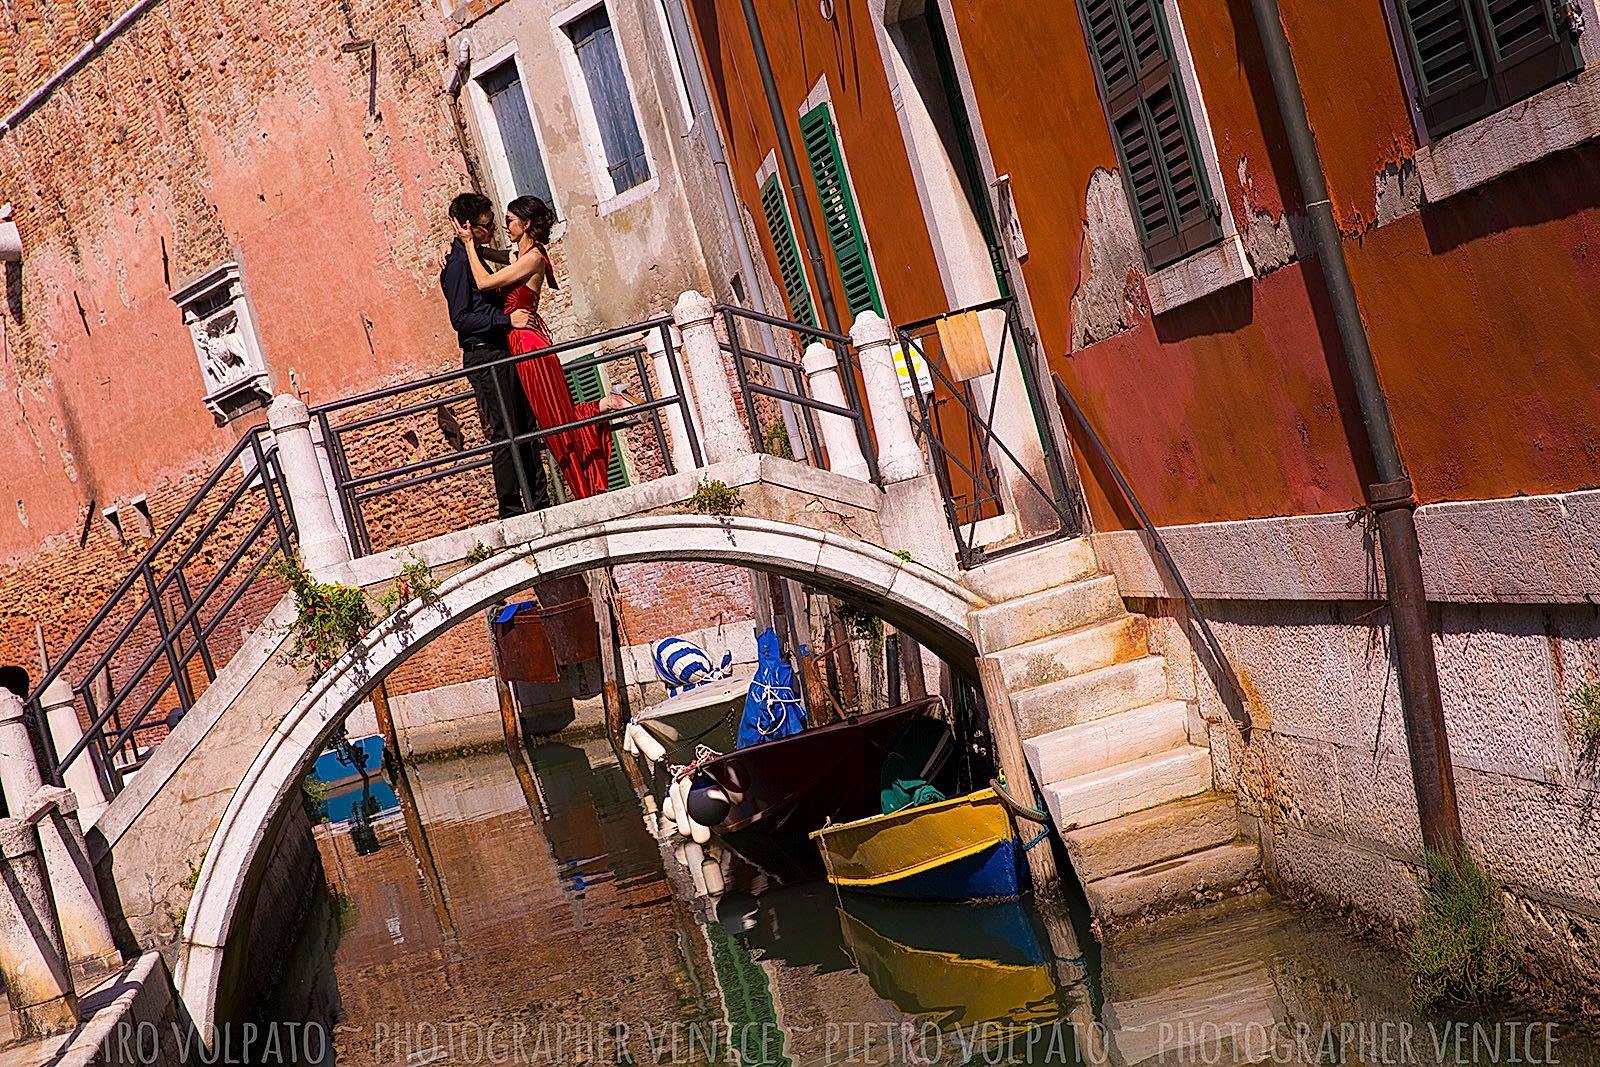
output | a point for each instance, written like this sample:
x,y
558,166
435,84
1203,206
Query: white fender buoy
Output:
x,y
699,831
680,797
669,814
660,728
646,743
711,874
628,744
694,859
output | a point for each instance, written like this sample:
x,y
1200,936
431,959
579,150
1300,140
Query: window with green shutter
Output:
x,y
1473,57
839,214
776,209
1152,127
587,387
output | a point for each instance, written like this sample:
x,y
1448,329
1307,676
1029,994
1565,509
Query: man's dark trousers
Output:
x,y
494,418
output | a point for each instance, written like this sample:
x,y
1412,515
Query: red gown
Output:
x,y
583,453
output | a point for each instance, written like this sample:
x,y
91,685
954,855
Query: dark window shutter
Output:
x,y
1474,57
791,273
1150,123
510,107
1529,48
839,212
596,45
587,387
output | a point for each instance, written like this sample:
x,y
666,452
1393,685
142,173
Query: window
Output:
x,y
1152,127
587,386
502,88
839,215
776,209
596,46
1474,57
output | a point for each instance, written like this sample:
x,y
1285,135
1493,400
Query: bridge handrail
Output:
x,y
278,515
180,639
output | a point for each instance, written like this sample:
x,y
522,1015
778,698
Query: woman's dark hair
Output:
x,y
540,219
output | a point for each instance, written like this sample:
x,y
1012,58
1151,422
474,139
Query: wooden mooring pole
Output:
x,y
1019,781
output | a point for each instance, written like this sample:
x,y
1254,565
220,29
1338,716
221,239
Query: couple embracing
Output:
x,y
495,313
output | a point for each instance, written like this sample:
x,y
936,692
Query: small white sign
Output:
x,y
924,379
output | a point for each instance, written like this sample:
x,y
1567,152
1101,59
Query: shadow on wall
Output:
x,y
1553,188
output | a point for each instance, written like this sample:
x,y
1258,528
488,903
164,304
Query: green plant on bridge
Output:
x,y
1460,952
715,498
479,553
903,554
1586,703
416,582
331,618
775,441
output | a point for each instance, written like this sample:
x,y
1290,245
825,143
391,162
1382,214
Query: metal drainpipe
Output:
x,y
791,169
1391,499
681,41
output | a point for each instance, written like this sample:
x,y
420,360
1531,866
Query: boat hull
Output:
x,y
803,781
959,849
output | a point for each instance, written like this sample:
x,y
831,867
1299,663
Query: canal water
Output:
x,y
497,910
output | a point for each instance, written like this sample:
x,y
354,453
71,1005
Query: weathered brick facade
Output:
x,y
314,146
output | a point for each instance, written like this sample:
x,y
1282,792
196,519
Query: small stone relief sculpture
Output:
x,y
232,369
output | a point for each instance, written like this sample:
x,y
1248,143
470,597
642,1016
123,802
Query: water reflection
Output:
x,y
521,911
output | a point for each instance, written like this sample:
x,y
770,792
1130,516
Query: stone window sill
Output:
x,y
628,197
1558,118
1199,275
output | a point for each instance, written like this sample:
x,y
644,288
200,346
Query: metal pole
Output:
x,y
791,169
1391,500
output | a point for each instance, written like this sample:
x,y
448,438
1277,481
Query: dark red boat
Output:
x,y
799,783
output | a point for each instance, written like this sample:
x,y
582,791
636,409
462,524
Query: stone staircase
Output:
x,y
1128,790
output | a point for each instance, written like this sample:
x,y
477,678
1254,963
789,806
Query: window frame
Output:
x,y
1551,120
820,97
1178,80
765,176
489,137
609,197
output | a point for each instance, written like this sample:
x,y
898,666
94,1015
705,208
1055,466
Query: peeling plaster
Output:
x,y
1399,191
1109,298
1271,242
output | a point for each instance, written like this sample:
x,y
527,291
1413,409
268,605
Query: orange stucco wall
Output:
x,y
803,50
1481,311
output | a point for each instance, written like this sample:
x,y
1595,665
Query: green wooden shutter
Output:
x,y
790,270
839,211
586,387
1474,57
1152,127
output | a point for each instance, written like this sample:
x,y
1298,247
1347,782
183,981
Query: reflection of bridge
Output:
x,y
968,555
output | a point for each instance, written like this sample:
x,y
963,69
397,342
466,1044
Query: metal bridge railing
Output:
x,y
382,448
174,621
784,380
393,459
987,462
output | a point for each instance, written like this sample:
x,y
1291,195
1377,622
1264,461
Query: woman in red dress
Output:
x,y
583,453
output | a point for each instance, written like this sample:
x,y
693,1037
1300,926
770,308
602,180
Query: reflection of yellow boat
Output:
x,y
958,849
1010,985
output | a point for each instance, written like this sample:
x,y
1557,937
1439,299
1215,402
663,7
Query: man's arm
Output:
x,y
466,315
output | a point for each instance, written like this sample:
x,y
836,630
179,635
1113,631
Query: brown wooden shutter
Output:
x,y
1151,126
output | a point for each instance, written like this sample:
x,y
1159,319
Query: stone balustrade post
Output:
x,y
83,931
661,358
899,458
32,963
821,364
61,712
321,544
724,436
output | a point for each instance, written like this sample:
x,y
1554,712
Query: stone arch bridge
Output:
x,y
184,851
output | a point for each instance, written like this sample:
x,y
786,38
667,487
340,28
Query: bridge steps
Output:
x,y
1111,752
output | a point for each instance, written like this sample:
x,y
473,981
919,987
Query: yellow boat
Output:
x,y
1002,977
959,849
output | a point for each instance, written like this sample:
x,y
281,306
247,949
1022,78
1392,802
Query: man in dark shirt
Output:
x,y
481,325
